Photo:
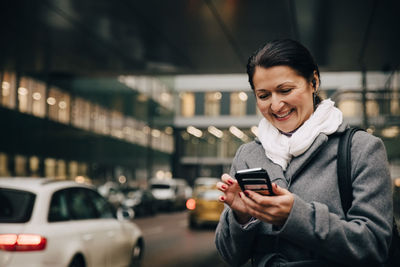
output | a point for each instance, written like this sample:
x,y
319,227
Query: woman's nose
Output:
x,y
276,103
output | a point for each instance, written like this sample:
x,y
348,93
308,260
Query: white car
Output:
x,y
45,222
164,191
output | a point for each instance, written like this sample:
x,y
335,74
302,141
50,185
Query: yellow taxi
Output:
x,y
204,206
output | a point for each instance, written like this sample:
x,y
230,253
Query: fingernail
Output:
x,y
230,182
222,198
240,194
224,186
276,186
246,193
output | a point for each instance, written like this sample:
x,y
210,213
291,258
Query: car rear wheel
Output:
x,y
77,261
137,253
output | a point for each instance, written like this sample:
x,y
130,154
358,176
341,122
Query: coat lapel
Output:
x,y
297,164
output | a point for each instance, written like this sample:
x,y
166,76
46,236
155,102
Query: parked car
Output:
x,y
182,192
164,190
204,206
140,200
45,222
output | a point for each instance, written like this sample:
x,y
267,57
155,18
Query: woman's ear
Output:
x,y
315,82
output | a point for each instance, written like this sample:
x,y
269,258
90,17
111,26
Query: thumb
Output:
x,y
279,190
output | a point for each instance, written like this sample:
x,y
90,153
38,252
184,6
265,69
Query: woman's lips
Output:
x,y
283,116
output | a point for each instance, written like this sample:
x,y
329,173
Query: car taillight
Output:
x,y
191,204
22,242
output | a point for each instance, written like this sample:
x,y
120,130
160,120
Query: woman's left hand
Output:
x,y
271,209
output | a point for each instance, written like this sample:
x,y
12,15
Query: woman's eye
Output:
x,y
286,91
263,96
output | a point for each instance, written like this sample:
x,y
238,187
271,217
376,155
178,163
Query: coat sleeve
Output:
x,y
365,235
233,241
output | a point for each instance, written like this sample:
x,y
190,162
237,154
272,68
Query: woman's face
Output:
x,y
283,96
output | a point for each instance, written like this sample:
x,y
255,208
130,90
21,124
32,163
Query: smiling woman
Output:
x,y
304,223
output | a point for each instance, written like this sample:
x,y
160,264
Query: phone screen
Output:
x,y
256,179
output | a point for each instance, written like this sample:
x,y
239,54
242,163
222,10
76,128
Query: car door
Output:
x,y
86,221
112,234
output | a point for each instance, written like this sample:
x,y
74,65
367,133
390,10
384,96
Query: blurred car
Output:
x,y
164,190
140,200
112,192
45,222
204,206
182,192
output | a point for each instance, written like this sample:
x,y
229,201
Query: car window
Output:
x,y
102,206
15,205
209,194
58,207
80,204
160,186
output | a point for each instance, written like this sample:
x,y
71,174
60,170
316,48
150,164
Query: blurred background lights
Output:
x,y
36,96
391,132
243,96
62,105
169,130
238,133
215,131
22,91
80,179
194,131
51,101
155,133
122,179
217,95
6,89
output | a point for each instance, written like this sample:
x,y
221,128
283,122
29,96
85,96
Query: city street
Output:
x,y
170,242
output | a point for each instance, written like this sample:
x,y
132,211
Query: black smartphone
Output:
x,y
255,179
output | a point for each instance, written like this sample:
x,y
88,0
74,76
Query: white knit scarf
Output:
x,y
281,148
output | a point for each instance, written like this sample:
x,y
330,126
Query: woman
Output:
x,y
304,223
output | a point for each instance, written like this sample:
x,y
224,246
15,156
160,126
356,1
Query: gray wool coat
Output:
x,y
316,232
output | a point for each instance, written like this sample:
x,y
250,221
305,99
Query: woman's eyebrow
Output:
x,y
261,90
284,84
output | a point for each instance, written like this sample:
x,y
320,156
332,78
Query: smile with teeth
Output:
x,y
281,116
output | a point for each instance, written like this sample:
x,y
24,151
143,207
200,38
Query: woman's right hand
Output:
x,y
231,197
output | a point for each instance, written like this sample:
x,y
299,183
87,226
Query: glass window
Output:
x,y
141,132
187,104
100,119
350,108
80,205
8,85
25,95
58,207
81,113
73,169
4,165
103,208
117,122
61,169
39,99
20,165
59,105
238,103
50,165
372,108
212,103
15,205
34,165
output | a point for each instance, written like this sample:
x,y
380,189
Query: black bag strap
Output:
x,y
346,190
344,168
